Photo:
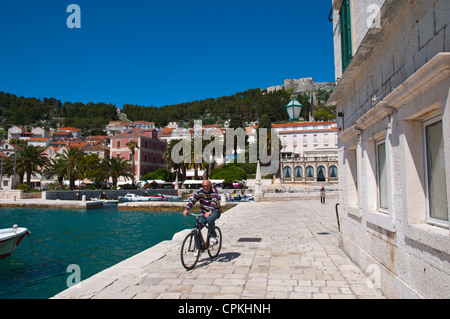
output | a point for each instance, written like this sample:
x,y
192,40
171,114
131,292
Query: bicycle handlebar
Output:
x,y
195,215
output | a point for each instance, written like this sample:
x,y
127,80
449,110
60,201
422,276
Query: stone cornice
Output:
x,y
374,115
349,133
429,75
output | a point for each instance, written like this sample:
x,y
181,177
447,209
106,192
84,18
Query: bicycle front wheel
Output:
x,y
190,251
214,251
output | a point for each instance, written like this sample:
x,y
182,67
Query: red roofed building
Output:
x,y
149,155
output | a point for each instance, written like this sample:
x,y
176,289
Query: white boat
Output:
x,y
133,198
106,201
10,238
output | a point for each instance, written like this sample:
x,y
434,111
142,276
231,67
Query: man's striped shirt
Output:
x,y
208,201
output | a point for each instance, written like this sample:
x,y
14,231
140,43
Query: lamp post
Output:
x,y
294,109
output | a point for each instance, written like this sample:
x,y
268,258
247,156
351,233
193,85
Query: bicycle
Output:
x,y
193,245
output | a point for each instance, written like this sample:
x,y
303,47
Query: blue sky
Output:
x,y
148,52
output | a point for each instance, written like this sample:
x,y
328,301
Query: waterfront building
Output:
x,y
309,151
392,63
149,154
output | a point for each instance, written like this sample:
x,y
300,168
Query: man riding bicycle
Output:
x,y
210,207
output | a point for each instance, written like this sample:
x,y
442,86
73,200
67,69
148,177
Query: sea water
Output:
x,y
92,239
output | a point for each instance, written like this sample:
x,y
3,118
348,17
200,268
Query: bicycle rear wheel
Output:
x,y
214,251
190,251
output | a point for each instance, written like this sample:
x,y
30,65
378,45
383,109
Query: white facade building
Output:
x,y
393,103
309,151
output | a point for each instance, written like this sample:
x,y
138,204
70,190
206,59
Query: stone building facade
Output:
x,y
309,151
393,64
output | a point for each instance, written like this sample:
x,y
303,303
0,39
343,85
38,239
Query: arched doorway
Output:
x,y
287,172
321,173
309,172
298,172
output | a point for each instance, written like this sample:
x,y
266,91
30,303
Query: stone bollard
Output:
x,y
83,198
223,199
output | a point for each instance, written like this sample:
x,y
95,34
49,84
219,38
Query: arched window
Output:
x,y
298,171
287,172
332,171
321,173
309,172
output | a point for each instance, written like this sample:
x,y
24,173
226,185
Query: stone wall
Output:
x,y
110,194
398,78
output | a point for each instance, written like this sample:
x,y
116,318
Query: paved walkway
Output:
x,y
298,257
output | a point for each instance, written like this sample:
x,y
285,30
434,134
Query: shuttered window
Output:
x,y
346,34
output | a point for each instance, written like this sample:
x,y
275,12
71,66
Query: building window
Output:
x,y
309,171
436,189
287,172
298,171
321,173
332,171
382,175
346,34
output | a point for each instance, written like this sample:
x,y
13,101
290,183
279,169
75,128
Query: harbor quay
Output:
x,y
270,250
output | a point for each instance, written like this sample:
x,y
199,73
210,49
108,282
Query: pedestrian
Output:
x,y
322,195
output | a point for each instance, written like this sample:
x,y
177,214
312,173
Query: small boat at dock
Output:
x,y
10,238
171,197
134,198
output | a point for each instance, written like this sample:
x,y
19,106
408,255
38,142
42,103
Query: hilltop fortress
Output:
x,y
300,85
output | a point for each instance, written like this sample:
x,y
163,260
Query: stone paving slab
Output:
x,y
297,258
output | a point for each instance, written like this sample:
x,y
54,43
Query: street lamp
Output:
x,y
293,109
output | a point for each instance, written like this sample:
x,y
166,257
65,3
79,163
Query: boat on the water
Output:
x,y
171,197
159,197
10,238
134,198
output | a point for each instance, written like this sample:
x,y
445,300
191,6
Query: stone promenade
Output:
x,y
297,257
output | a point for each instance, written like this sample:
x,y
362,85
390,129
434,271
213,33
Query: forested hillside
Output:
x,y
246,106
93,117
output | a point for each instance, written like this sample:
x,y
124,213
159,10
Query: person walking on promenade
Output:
x,y
322,195
209,205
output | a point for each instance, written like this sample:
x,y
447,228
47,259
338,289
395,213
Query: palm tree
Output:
x,y
197,160
132,145
116,167
57,167
168,157
72,159
8,169
31,160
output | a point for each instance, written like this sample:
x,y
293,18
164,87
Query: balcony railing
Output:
x,y
309,158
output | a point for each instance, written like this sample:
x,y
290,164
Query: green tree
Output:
x,y
116,167
56,167
72,159
229,173
160,173
31,160
132,145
